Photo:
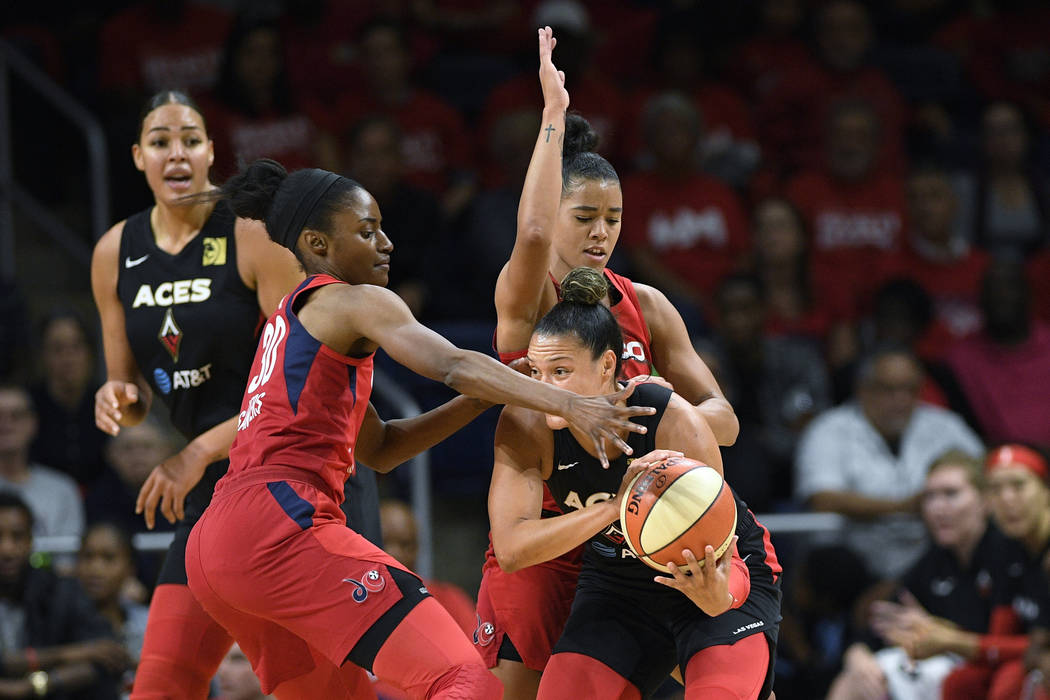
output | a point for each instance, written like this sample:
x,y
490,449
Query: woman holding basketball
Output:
x,y
568,217
271,559
717,620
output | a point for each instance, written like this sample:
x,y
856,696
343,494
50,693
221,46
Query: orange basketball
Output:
x,y
675,505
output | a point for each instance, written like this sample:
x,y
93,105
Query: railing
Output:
x,y
12,62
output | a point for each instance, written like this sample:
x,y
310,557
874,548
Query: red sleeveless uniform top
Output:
x,y
637,358
304,404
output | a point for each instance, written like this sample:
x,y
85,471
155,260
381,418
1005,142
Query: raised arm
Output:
x,y
383,445
265,266
347,317
520,284
677,361
124,399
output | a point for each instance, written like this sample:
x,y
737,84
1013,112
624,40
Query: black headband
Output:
x,y
294,203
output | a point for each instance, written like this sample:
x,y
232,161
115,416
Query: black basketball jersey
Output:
x,y
577,480
964,595
191,322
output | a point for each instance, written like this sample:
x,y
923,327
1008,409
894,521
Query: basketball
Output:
x,y
675,505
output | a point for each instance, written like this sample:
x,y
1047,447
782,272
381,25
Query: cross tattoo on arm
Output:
x,y
549,129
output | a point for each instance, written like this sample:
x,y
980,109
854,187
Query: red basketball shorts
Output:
x,y
275,564
529,607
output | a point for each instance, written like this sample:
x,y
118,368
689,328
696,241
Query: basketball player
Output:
x,y
569,216
716,619
271,559
181,291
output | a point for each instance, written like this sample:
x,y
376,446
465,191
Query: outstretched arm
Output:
x,y
520,284
383,445
342,316
677,361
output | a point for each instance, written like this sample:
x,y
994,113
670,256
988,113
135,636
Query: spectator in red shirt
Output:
x,y
252,112
1007,200
1005,369
939,258
684,231
436,150
855,213
794,112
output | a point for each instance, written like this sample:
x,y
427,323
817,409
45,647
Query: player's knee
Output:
x,y
471,681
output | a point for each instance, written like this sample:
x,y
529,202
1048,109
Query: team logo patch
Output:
x,y
162,380
360,593
484,633
170,335
372,581
214,251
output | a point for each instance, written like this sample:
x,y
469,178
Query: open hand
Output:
x,y
167,486
552,80
603,419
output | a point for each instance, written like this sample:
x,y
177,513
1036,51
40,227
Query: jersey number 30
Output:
x,y
272,337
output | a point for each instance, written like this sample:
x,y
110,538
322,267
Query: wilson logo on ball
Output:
x,y
674,505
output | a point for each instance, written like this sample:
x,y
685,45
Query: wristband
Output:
x,y
39,682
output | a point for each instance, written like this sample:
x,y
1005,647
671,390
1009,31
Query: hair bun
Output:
x,y
580,137
251,192
584,285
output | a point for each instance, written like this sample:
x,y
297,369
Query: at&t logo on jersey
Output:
x,y
181,379
172,293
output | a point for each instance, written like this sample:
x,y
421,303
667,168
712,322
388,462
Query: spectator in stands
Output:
x,y
854,212
948,592
794,112
1004,369
435,142
728,149
867,459
52,496
252,111
66,437
106,571
938,256
54,642
1020,502
1007,200
776,383
401,541
683,231
797,302
237,680
374,156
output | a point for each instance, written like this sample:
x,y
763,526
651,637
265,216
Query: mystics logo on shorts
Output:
x,y
170,335
484,633
372,581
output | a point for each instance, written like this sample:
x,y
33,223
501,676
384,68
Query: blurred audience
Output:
x,y
54,642
52,496
776,384
867,459
684,231
1003,369
66,436
237,680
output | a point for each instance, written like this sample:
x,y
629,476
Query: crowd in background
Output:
x,y
848,202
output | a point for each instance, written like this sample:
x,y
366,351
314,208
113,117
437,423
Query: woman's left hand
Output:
x,y
167,486
706,585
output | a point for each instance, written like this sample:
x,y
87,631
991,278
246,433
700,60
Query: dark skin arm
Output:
x,y
356,319
383,445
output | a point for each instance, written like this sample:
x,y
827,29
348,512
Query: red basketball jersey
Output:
x,y
637,358
305,402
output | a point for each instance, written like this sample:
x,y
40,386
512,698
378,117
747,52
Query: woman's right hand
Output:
x,y
603,419
640,464
552,80
110,401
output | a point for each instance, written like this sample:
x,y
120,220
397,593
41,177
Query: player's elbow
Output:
x,y
508,557
534,231
459,371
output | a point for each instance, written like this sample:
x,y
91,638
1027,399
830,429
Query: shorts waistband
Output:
x,y
257,476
